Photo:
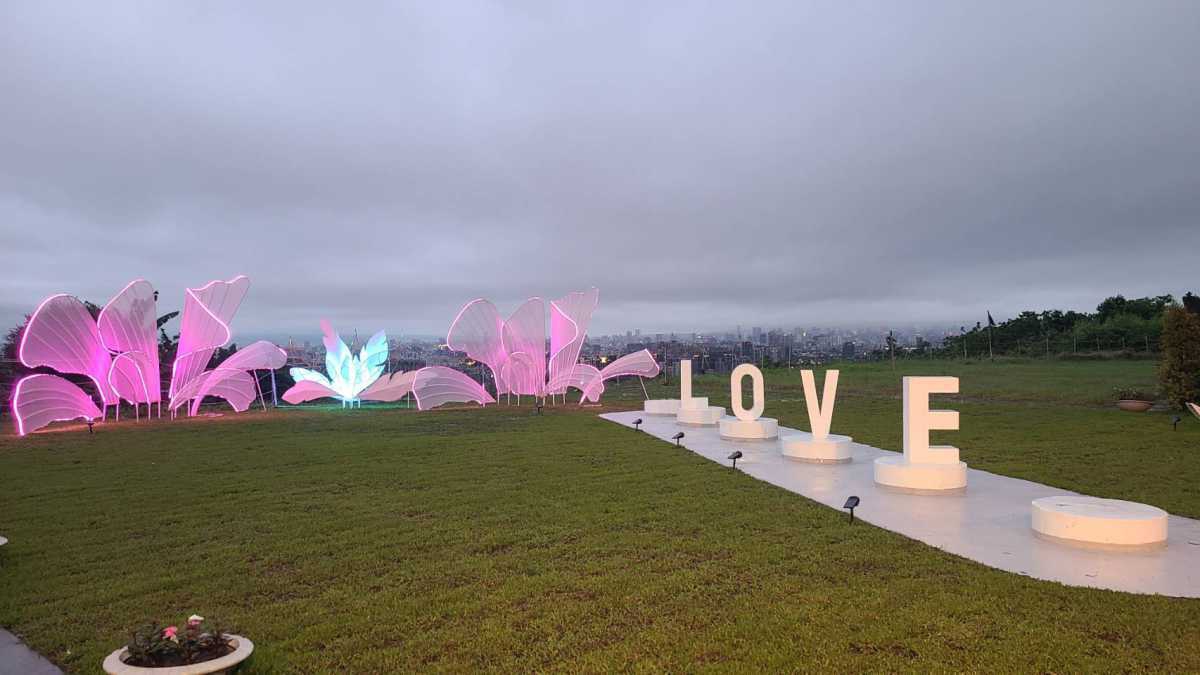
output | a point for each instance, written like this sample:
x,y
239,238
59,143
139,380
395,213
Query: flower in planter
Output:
x,y
197,641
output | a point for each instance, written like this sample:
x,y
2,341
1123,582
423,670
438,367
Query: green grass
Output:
x,y
464,540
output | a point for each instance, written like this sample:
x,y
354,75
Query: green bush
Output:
x,y
1179,372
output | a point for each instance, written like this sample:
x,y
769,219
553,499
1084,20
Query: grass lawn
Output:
x,y
387,540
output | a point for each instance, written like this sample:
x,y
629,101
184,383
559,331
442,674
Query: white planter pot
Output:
x,y
115,663
1134,405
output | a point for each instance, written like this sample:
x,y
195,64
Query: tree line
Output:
x,y
1118,324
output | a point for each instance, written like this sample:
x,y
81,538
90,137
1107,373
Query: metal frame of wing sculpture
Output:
x,y
352,379
515,350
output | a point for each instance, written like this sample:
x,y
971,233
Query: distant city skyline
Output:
x,y
933,330
930,332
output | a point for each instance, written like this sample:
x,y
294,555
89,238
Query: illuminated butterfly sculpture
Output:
x,y
515,350
118,352
204,327
351,379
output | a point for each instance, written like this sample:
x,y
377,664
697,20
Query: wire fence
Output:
x,y
974,346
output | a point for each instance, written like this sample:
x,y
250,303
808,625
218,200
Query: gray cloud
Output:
x,y
798,164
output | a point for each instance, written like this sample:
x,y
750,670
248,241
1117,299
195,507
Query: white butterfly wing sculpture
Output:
x,y
354,378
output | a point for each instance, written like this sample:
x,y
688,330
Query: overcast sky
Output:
x,y
703,164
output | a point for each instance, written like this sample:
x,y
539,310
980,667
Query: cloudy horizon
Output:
x,y
783,164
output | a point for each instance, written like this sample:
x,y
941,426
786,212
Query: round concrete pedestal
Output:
x,y
834,449
761,429
700,417
897,474
661,406
1109,523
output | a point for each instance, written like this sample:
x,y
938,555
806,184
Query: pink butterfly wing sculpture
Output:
x,y
41,399
127,326
231,380
520,373
579,378
134,377
62,335
570,317
204,326
235,386
390,387
307,390
478,330
436,385
524,338
640,364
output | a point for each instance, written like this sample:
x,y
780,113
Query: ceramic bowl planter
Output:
x,y
115,663
1133,405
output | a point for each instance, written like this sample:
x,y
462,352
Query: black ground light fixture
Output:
x,y
90,423
637,423
539,408
851,502
676,438
1175,423
735,456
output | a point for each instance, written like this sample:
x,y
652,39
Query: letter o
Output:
x,y
735,392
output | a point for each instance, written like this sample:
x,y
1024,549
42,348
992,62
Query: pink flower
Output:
x,y
169,632
195,620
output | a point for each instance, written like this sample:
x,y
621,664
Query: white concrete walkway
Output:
x,y
17,659
989,524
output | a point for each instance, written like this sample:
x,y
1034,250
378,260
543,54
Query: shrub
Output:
x,y
1179,372
1132,394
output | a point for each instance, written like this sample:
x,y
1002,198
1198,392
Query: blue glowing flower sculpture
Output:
x,y
348,376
